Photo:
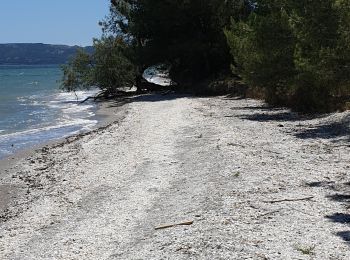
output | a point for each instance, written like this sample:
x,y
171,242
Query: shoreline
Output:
x,y
253,182
104,115
107,112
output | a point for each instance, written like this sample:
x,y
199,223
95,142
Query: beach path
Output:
x,y
178,177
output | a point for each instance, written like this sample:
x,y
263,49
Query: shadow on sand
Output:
x,y
342,218
282,116
310,130
158,97
332,130
154,97
314,127
340,196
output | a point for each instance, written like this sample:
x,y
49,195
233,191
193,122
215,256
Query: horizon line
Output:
x,y
63,44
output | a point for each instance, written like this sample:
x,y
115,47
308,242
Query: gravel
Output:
x,y
257,182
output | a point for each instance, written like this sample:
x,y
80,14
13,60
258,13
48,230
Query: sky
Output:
x,y
71,22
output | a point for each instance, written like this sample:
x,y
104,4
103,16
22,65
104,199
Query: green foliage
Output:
x,y
113,67
78,73
297,51
188,35
110,68
315,27
263,52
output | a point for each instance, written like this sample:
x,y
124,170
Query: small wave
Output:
x,y
78,122
77,108
37,113
77,96
55,105
36,103
48,115
9,143
34,97
21,99
35,83
32,100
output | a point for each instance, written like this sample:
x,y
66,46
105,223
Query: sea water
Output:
x,y
33,109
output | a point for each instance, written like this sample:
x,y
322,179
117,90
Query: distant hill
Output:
x,y
37,53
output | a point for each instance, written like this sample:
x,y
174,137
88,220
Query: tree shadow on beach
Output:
x,y
266,113
158,97
341,218
261,107
339,194
283,116
332,130
345,235
153,97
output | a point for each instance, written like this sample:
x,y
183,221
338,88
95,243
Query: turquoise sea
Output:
x,y
33,109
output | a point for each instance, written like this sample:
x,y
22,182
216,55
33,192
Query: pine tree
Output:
x,y
110,68
297,51
188,35
263,47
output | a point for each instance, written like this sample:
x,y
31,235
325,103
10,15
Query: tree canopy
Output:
x,y
188,35
297,53
109,68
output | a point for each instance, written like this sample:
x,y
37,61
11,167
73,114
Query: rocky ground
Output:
x,y
246,182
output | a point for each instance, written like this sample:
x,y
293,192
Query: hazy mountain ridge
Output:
x,y
37,53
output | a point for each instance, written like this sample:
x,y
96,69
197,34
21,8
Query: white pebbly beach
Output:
x,y
180,177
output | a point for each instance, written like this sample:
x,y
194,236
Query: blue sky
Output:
x,y
72,22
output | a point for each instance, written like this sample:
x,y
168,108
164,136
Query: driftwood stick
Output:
x,y
86,99
187,223
268,213
104,94
284,200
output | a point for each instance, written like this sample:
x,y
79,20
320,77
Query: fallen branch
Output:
x,y
86,99
104,94
234,144
187,223
97,96
284,200
267,213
